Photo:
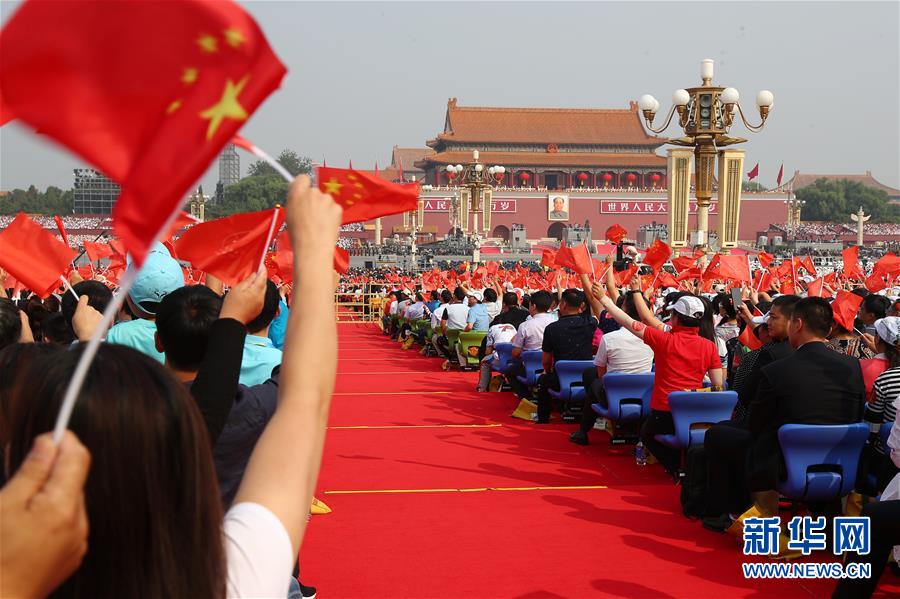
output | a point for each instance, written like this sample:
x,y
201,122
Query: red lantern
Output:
x,y
655,178
607,177
631,177
451,174
524,176
582,176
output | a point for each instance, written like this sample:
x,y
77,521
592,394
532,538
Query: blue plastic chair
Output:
x,y
504,356
696,409
533,366
628,396
571,385
821,459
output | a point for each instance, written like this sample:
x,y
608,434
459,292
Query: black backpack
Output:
x,y
694,484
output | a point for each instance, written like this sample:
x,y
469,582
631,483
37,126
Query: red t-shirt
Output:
x,y
682,359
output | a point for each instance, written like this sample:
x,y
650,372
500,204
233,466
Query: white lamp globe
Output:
x,y
730,96
765,98
681,97
655,108
459,168
479,167
646,102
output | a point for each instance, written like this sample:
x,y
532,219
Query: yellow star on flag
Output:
x,y
208,43
189,76
233,37
333,187
173,107
226,108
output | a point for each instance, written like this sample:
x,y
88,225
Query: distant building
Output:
x,y
229,166
801,180
94,192
552,148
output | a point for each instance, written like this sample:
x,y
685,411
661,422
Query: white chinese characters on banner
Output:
x,y
443,205
644,207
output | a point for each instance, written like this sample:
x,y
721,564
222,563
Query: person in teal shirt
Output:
x,y
278,328
160,276
260,354
478,319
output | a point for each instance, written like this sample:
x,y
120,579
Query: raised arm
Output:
x,y
284,466
644,311
610,279
637,328
596,306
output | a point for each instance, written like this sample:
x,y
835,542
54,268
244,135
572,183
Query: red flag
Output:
x,y
6,114
564,258
582,260
493,268
689,273
615,233
148,92
754,173
229,248
845,307
665,279
181,221
806,264
33,255
765,259
749,339
875,282
365,196
341,260
682,263
888,264
728,267
98,251
623,277
548,257
62,229
815,288
657,254
852,269
780,173
762,280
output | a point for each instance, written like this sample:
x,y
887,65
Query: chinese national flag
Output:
x,y
98,251
780,173
616,233
689,273
815,288
581,258
753,173
845,307
888,264
365,196
806,264
765,260
493,268
181,221
33,255
62,229
284,258
548,258
735,268
852,269
657,254
564,258
749,339
623,277
341,260
665,279
148,92
682,263
762,280
229,248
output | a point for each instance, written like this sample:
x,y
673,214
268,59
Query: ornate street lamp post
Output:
x,y
706,114
476,182
793,223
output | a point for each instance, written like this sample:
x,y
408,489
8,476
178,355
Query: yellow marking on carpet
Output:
x,y
388,426
396,393
467,490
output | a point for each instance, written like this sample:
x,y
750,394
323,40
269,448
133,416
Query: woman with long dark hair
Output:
x,y
156,522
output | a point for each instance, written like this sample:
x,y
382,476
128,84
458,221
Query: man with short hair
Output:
x,y
477,319
873,307
98,295
12,322
453,317
569,338
529,337
814,385
159,276
511,312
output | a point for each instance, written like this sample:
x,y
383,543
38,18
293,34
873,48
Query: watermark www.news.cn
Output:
x,y
806,534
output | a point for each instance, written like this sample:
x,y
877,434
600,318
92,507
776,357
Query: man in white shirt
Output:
x,y
499,333
530,336
492,303
453,317
619,351
436,317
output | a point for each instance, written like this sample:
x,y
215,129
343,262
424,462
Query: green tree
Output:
x,y
251,194
752,186
52,201
834,200
289,159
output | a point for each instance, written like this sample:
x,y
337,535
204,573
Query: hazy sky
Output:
x,y
365,76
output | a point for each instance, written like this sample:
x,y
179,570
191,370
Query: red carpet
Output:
x,y
496,514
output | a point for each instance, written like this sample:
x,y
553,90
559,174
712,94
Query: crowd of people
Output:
x,y
171,480
789,358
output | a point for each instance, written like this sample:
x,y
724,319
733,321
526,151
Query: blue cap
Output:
x,y
160,276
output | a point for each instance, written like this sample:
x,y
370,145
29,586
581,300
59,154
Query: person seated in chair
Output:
x,y
814,385
619,351
529,337
569,338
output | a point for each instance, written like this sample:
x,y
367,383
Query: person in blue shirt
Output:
x,y
260,354
434,301
160,276
278,328
478,318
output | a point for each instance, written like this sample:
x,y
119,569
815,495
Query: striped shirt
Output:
x,y
883,409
